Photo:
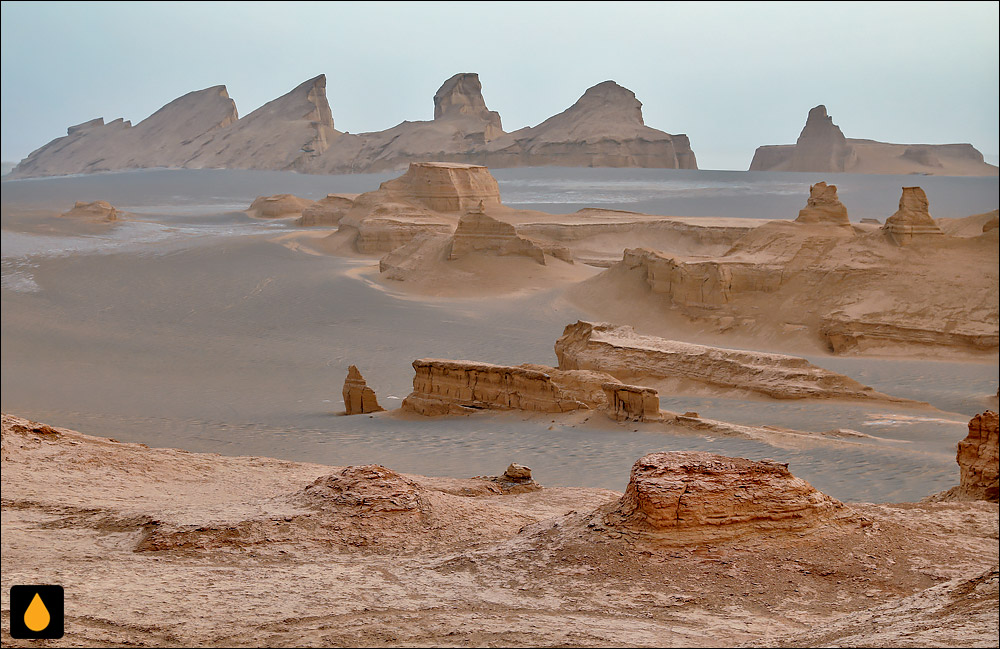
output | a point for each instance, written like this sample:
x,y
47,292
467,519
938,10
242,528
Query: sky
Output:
x,y
732,76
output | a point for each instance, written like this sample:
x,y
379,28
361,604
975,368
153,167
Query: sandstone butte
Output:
x,y
358,397
621,352
97,210
903,289
822,147
978,460
711,550
202,129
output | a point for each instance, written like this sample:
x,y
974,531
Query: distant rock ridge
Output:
x,y
822,147
604,128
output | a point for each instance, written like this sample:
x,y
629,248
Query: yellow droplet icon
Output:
x,y
36,617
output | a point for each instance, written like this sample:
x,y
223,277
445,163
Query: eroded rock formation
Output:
x,y
912,221
296,132
358,397
632,402
478,232
824,207
442,387
979,457
696,497
618,350
445,186
279,206
97,210
822,147
326,211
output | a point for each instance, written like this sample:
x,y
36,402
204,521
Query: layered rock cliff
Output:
x,y
618,350
822,147
979,458
359,399
296,132
686,498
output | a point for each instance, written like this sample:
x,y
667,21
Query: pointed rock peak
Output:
x,y
460,95
820,125
611,98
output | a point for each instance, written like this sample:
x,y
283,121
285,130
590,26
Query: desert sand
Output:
x,y
214,328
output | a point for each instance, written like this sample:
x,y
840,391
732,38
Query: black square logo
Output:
x,y
36,612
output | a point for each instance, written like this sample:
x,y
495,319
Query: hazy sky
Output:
x,y
732,76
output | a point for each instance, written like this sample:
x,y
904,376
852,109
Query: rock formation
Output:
x,y
445,186
358,397
296,132
442,387
632,402
822,147
978,458
279,206
619,351
326,211
824,207
477,232
912,221
687,498
98,210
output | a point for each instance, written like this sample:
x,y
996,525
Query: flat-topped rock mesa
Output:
x,y
327,211
694,497
97,210
359,399
445,186
619,351
296,132
912,222
632,402
824,207
822,147
278,206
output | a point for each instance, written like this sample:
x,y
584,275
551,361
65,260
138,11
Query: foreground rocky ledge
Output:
x,y
169,548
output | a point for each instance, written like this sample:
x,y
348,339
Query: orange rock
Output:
x,y
978,458
358,397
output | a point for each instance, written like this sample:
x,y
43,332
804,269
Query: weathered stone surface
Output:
x,y
979,457
462,96
478,232
632,402
618,350
279,206
446,186
696,497
358,397
824,207
517,473
326,211
912,221
822,147
98,210
442,387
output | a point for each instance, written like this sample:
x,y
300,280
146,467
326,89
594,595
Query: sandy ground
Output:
x,y
165,547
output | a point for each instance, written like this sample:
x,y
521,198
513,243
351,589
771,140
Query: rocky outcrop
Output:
x,y
359,399
442,387
632,402
618,350
478,232
279,206
979,457
687,498
822,147
912,221
296,132
326,211
445,186
824,207
97,210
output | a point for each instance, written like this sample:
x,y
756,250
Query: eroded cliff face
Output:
x,y
618,350
296,132
445,186
979,458
686,498
359,399
822,147
478,232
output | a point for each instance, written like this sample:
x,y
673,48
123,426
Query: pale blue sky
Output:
x,y
732,76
